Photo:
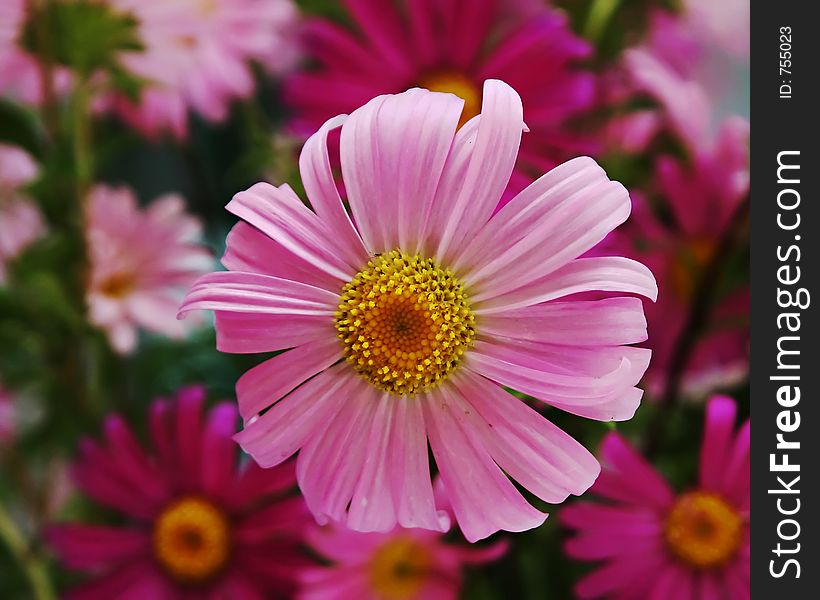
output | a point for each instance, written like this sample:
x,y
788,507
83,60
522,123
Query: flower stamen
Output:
x,y
703,530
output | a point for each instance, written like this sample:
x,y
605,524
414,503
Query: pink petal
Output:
x,y
472,199
544,228
235,291
93,547
136,580
609,531
245,333
594,382
530,449
624,573
298,418
607,322
627,476
393,151
279,214
266,383
736,484
606,273
673,583
718,433
220,449
320,186
381,25
188,433
248,249
466,467
331,463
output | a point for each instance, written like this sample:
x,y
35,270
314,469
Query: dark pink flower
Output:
x,y
196,524
659,545
442,45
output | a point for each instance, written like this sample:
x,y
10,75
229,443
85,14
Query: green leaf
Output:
x,y
20,127
85,36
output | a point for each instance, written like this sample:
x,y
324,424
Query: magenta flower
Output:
x,y
141,262
197,55
20,221
408,315
8,419
406,564
197,525
441,46
660,545
703,198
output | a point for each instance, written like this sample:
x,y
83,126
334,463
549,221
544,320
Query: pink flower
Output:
x,y
441,45
408,315
20,220
703,198
197,55
141,262
196,525
659,545
403,563
8,420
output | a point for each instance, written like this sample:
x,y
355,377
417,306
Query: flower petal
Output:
x,y
393,151
467,467
247,333
606,274
269,381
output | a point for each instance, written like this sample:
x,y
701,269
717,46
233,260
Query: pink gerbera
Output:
x,y
20,219
403,564
441,45
661,546
141,262
407,317
703,198
197,525
197,55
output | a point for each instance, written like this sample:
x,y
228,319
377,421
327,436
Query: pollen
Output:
x,y
405,323
399,569
703,530
192,540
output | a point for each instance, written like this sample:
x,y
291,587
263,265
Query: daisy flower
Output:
x,y
20,221
141,262
658,544
195,524
403,564
703,197
408,315
197,55
441,46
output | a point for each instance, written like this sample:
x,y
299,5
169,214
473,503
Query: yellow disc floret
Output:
x,y
399,569
703,530
458,84
192,540
405,322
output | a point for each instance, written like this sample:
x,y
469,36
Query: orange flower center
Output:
x,y
117,286
703,530
405,322
458,84
687,265
399,569
192,540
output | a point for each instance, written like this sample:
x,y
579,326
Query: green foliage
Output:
x,y
19,126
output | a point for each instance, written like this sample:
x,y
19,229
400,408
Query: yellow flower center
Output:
x,y
192,540
404,322
117,286
458,84
399,568
688,264
703,530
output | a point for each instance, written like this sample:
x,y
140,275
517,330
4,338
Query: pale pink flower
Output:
x,y
197,56
411,564
408,315
20,220
141,262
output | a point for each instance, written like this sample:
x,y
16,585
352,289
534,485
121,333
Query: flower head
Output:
x,y
442,46
20,220
407,315
196,523
197,55
403,564
141,261
656,542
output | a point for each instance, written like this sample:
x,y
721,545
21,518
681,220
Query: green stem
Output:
x,y
598,18
33,566
81,126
